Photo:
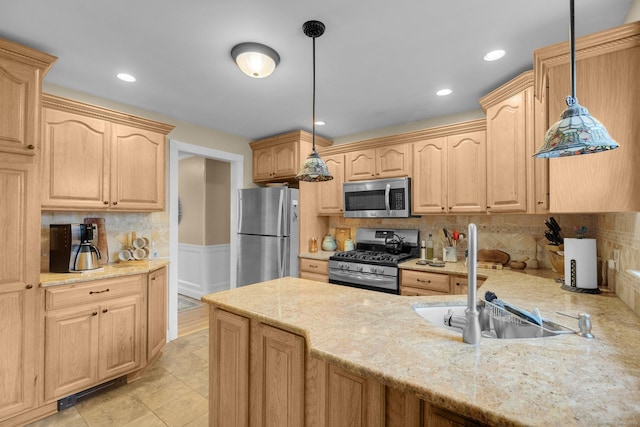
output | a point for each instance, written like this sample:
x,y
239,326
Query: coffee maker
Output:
x,y
72,247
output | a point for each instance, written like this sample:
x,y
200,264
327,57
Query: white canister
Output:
x,y
349,245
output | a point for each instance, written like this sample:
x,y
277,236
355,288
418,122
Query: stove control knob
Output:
x,y
343,266
380,270
359,268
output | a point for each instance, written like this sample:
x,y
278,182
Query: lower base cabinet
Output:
x,y
262,376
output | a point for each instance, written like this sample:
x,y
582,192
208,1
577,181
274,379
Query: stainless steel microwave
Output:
x,y
379,198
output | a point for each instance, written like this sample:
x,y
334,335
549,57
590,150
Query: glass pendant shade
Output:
x,y
314,169
577,132
255,60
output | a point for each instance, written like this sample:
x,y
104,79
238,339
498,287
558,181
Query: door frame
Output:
x,y
236,161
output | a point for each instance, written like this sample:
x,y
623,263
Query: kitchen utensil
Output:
x,y
534,263
329,243
124,255
450,254
580,263
493,255
519,264
342,234
394,244
556,257
349,245
313,245
87,257
101,241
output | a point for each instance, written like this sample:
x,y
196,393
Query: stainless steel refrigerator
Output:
x,y
268,234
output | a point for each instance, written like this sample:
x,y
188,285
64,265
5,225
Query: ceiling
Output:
x,y
379,62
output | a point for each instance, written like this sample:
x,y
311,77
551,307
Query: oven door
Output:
x,y
356,279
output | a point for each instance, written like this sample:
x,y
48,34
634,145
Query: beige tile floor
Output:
x,y
173,392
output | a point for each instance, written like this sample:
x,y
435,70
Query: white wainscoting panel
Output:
x,y
202,269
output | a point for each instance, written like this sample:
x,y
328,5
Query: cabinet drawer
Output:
x,y
421,280
93,291
314,276
314,266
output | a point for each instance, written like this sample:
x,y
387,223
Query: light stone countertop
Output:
x,y
105,272
321,255
563,380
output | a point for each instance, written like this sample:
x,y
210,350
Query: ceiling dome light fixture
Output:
x,y
577,132
314,169
494,55
126,77
255,60
444,92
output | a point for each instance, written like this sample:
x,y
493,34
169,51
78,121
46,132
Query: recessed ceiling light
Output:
x,y
444,92
494,55
126,77
320,123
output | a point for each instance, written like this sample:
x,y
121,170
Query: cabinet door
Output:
x,y
277,377
508,128
360,165
429,184
156,312
75,161
285,160
330,199
71,351
393,161
19,277
263,164
19,107
467,176
354,401
137,169
228,369
120,336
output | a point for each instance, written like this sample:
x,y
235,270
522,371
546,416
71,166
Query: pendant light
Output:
x,y
577,132
314,169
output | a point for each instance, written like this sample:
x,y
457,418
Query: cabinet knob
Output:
x,y
95,313
540,202
31,146
29,286
115,203
106,202
104,310
442,207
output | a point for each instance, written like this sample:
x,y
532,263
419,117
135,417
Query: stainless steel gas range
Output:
x,y
373,264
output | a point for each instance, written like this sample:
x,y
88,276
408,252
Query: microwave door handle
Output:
x,y
387,190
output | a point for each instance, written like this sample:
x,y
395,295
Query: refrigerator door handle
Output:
x,y
281,258
239,211
280,214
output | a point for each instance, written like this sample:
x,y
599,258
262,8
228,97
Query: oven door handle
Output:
x,y
387,191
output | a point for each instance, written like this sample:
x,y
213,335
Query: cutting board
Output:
x,y
493,255
342,234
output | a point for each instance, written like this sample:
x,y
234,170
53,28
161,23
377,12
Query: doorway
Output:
x,y
176,151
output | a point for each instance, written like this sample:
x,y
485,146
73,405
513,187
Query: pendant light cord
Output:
x,y
572,43
313,111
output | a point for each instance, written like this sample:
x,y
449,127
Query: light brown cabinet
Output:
x,y
510,133
423,283
458,285
99,159
608,86
449,171
279,158
377,163
330,198
99,327
314,269
21,72
156,312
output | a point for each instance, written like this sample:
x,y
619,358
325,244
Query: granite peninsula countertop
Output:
x,y
105,272
563,380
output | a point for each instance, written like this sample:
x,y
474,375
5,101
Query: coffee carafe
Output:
x,y
87,255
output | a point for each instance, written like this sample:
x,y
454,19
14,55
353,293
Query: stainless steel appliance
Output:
x,y
72,247
373,264
268,234
380,198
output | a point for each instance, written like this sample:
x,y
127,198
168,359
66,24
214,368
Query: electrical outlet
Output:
x,y
616,259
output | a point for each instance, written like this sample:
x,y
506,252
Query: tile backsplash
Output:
x,y
154,226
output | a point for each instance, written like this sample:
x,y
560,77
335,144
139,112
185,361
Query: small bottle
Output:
x,y
423,250
430,247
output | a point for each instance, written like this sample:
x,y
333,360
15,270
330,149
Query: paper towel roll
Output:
x,y
580,263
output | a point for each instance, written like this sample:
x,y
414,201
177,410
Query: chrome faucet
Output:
x,y
470,323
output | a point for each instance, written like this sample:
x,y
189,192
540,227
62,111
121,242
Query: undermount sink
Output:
x,y
493,325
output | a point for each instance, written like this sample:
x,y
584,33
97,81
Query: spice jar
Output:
x,y
313,245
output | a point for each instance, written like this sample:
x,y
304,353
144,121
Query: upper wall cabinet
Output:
x,y
609,87
330,197
98,159
377,163
510,136
278,158
21,73
449,170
